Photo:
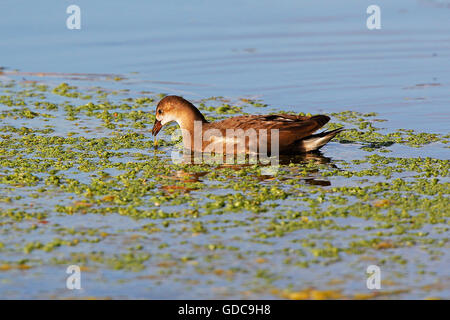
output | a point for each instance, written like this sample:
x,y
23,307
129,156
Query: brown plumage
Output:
x,y
295,133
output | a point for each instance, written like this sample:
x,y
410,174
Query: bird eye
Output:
x,y
160,111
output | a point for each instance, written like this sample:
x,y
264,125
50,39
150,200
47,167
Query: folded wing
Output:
x,y
291,128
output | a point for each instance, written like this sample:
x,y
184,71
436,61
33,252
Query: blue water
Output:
x,y
294,55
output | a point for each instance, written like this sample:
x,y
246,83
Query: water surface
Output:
x,y
292,56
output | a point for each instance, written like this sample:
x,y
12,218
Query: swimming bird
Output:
x,y
292,134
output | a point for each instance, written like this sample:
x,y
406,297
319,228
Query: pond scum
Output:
x,y
81,183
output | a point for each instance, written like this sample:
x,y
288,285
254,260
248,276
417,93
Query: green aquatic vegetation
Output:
x,y
69,91
11,101
97,185
366,133
19,179
25,130
20,215
223,109
55,243
129,261
23,113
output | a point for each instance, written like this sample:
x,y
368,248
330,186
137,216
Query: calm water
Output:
x,y
293,55
290,53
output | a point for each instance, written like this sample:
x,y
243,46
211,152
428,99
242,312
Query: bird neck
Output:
x,y
191,122
188,116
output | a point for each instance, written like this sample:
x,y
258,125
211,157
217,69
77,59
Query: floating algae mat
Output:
x,y
81,183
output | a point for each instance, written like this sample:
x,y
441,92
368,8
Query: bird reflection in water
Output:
x,y
313,177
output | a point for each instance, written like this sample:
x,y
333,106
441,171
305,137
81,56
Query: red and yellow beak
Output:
x,y
156,127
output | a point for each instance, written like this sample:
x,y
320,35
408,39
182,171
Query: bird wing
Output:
x,y
291,127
